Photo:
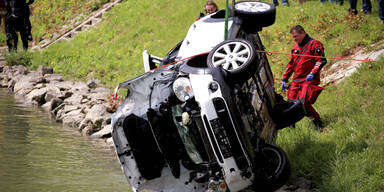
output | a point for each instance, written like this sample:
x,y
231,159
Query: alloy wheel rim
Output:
x,y
231,56
253,7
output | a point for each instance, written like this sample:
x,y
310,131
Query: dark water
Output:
x,y
38,154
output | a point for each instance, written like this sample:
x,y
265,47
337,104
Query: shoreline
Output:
x,y
83,106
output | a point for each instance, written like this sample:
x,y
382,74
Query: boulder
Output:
x,y
80,87
27,82
105,132
4,80
96,117
37,95
109,142
93,83
55,103
73,118
52,92
64,85
42,70
75,99
101,90
50,78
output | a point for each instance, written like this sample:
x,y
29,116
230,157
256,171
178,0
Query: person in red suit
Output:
x,y
306,70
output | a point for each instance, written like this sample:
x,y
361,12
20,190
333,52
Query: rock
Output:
x,y
101,90
47,106
37,95
42,70
52,92
27,82
96,117
110,142
4,80
50,78
75,99
55,103
93,83
56,110
87,131
303,183
73,118
19,70
64,85
80,87
105,132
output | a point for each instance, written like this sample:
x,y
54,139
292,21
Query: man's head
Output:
x,y
298,33
210,7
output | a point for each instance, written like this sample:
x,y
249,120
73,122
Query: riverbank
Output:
x,y
81,105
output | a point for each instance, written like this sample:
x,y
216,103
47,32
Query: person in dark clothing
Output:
x,y
367,7
28,24
17,20
306,69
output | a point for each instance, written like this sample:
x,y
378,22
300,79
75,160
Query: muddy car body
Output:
x,y
208,121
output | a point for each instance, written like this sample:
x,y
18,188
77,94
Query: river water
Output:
x,y
38,154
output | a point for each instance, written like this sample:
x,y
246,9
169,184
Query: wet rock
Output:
x,y
56,110
96,117
93,83
47,106
55,103
105,132
51,78
42,70
4,80
87,131
37,95
73,118
109,142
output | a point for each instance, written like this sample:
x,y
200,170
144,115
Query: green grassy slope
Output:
x,y
349,154
348,157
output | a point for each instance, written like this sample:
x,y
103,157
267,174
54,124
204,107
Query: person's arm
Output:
x,y
289,70
318,50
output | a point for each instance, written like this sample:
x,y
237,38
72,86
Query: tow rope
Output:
x,y
335,58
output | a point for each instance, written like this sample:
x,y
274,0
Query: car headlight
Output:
x,y
182,89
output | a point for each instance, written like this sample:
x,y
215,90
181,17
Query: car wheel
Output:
x,y
236,56
274,168
256,13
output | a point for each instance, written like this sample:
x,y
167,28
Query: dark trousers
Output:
x,y
293,93
381,9
367,6
12,26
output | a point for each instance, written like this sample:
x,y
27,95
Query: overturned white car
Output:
x,y
208,121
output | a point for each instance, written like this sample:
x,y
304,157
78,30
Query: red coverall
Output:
x,y
301,66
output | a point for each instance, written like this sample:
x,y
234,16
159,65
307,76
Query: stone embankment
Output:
x,y
84,106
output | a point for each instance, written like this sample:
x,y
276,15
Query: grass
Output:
x,y
348,156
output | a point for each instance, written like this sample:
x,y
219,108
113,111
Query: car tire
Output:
x,y
256,14
236,56
274,168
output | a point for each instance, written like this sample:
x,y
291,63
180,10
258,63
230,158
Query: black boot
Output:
x,y
318,124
